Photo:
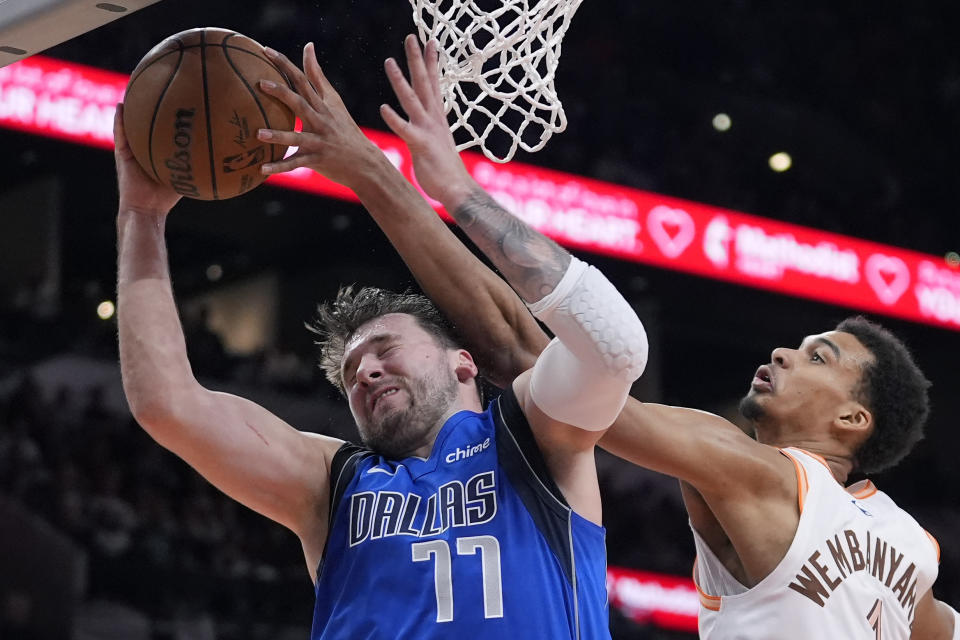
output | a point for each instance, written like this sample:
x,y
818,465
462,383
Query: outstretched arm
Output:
x,y
582,377
577,381
443,176
503,336
532,263
244,450
705,450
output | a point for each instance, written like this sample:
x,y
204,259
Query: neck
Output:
x,y
837,456
430,437
840,464
840,467
466,399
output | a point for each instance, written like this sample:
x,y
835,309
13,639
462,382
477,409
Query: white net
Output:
x,y
497,67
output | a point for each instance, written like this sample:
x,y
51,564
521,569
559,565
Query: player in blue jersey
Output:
x,y
449,520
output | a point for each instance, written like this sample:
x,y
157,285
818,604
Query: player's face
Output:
x,y
804,389
400,384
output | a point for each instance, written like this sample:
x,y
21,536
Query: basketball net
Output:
x,y
497,68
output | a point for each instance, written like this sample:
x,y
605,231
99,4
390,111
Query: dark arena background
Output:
x,y
770,168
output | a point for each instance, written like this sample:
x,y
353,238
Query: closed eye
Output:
x,y
388,350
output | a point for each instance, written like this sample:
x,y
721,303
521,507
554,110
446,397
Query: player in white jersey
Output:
x,y
856,558
762,513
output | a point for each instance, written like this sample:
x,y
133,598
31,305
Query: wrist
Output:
x,y
370,171
128,209
456,192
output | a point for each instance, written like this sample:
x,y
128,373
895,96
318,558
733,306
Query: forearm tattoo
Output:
x,y
532,263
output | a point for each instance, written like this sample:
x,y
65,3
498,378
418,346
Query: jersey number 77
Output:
x,y
489,549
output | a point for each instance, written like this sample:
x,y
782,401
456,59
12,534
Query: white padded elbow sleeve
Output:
x,y
584,375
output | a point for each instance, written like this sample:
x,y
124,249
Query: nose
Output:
x,y
781,357
369,369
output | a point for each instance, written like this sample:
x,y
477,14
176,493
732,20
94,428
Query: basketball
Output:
x,y
192,110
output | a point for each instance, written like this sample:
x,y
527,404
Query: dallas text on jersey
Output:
x,y
382,514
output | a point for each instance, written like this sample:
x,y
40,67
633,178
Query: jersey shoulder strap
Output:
x,y
523,463
518,446
342,469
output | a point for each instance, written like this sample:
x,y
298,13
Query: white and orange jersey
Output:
x,y
856,569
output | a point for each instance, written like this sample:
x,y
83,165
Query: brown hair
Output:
x,y
337,321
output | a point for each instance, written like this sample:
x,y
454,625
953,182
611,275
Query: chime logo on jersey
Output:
x,y
462,454
382,514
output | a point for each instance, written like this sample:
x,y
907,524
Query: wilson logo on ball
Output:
x,y
180,166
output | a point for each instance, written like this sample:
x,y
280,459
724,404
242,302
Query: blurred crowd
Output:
x,y
158,537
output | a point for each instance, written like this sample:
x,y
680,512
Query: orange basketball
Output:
x,y
192,110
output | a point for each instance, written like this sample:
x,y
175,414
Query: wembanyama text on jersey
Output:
x,y
476,541
856,568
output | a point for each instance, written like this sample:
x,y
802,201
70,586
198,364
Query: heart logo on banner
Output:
x,y
672,230
888,276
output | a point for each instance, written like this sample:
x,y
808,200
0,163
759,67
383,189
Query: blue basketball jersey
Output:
x,y
474,542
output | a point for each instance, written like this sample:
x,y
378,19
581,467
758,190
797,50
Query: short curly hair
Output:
x,y
895,390
337,321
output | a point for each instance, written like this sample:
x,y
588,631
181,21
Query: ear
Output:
x,y
855,420
463,365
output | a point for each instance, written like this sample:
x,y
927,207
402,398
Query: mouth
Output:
x,y
383,392
762,379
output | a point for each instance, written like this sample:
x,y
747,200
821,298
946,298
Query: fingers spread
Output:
x,y
393,120
314,73
287,164
296,76
286,138
432,55
282,62
292,99
401,88
418,70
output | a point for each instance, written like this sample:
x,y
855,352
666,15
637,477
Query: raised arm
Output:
x,y
582,377
244,450
504,337
532,263
580,381
702,449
